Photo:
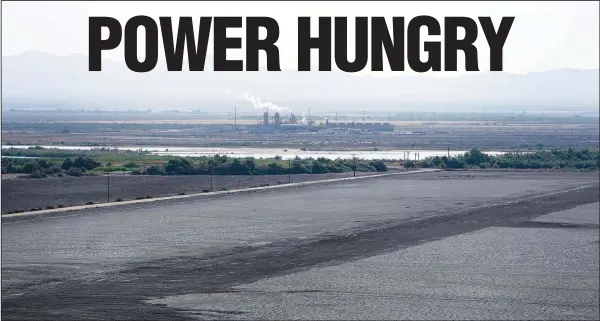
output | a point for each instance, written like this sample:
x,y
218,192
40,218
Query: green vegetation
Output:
x,y
59,162
223,165
43,167
580,159
81,162
102,155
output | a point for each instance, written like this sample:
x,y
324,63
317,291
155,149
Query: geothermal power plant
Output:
x,y
276,123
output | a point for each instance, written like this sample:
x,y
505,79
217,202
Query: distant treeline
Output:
x,y
39,168
217,165
582,159
144,164
57,152
223,165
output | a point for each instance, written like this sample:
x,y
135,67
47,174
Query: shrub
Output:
x,y
31,167
119,199
131,165
67,164
89,203
86,163
318,168
379,165
74,171
154,170
38,174
55,169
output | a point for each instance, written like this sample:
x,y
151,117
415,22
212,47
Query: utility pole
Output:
x,y
211,178
235,117
354,168
289,170
108,186
448,151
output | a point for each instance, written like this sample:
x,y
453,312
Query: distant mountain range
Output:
x,y
37,79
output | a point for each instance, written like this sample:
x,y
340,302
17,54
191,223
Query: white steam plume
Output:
x,y
257,103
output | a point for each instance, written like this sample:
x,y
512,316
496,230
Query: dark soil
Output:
x,y
25,194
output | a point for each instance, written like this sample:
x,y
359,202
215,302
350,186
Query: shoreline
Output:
x,y
159,147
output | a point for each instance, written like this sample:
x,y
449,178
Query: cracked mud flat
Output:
x,y
111,277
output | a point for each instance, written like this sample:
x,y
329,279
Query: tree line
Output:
x,y
223,165
216,165
581,159
39,168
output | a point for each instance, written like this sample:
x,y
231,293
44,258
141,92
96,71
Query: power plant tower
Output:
x,y
266,118
277,119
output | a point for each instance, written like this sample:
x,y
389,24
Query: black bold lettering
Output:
x,y
496,40
151,55
253,44
361,49
394,50
452,44
222,43
434,59
185,37
321,43
96,44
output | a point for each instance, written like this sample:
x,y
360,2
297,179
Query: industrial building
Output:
x,y
275,123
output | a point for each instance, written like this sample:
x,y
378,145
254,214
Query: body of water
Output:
x,y
242,152
24,157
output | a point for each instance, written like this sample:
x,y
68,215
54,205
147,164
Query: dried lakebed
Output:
x,y
112,264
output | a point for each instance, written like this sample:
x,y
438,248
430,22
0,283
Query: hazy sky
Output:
x,y
545,35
